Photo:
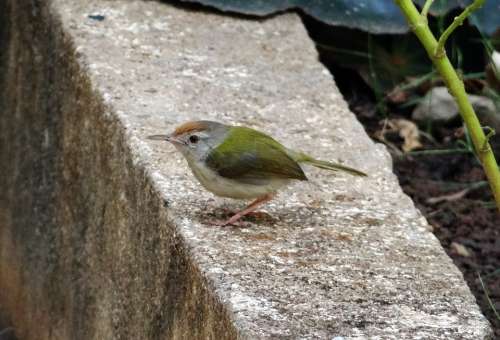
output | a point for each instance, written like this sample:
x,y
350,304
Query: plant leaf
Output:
x,y
374,16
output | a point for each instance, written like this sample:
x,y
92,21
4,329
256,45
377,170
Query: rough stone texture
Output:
x,y
439,105
103,232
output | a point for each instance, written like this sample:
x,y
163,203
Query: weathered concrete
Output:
x,y
103,232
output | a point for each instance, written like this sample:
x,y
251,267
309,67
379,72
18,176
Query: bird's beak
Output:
x,y
158,137
167,138
174,140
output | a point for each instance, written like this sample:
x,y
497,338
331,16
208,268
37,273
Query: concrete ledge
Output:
x,y
102,231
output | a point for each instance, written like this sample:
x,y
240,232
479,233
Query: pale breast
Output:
x,y
227,187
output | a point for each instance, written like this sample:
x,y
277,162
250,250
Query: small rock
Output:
x,y
495,59
460,249
439,105
493,71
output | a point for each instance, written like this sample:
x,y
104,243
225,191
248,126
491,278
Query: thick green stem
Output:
x,y
456,88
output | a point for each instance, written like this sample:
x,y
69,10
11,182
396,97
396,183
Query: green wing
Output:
x,y
251,156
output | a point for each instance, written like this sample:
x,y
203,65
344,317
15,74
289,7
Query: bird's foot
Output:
x,y
227,222
249,210
260,215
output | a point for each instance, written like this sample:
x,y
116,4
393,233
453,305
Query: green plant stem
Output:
x,y
456,87
457,21
426,8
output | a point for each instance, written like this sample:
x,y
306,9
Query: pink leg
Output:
x,y
254,205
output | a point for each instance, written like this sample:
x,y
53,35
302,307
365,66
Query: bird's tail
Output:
x,y
303,158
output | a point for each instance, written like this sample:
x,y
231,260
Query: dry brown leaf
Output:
x,y
406,129
397,95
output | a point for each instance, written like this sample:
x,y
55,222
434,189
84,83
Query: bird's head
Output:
x,y
195,139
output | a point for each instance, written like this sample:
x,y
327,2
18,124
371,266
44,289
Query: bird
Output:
x,y
240,162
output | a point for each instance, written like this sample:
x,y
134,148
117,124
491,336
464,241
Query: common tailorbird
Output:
x,y
240,162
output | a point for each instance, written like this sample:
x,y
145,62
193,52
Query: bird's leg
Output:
x,y
254,205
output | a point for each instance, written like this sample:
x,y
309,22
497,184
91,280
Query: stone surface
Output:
x,y
103,232
493,71
439,105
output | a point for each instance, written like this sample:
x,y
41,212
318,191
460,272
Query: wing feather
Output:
x,y
251,156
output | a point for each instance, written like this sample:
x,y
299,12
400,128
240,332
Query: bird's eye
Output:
x,y
194,139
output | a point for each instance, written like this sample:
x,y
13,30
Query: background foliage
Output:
x,y
374,16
